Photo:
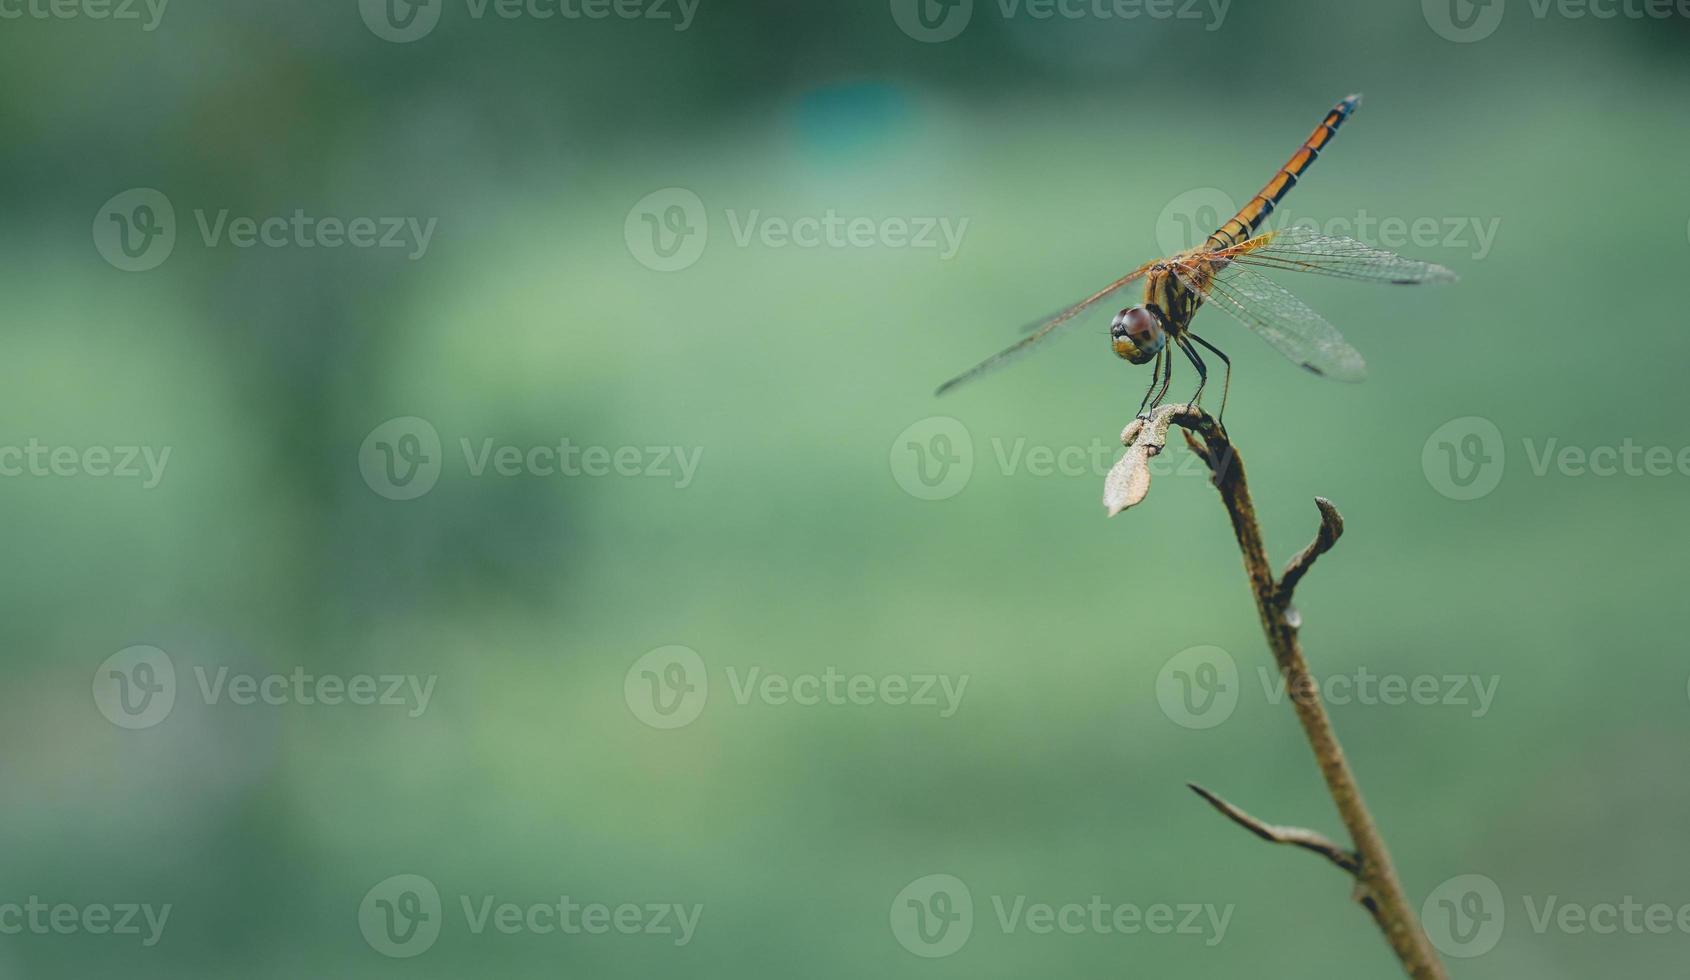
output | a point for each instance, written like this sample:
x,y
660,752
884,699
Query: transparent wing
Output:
x,y
1282,320
1069,312
1302,249
1043,329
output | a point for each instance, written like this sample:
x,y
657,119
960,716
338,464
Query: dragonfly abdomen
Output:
x,y
1254,213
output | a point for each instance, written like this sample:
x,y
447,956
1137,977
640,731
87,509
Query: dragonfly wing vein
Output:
x,y
1287,323
1043,330
1300,249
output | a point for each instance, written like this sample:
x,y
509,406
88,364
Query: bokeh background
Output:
x,y
825,526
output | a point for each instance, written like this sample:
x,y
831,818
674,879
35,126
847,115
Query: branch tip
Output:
x,y
1331,529
1330,519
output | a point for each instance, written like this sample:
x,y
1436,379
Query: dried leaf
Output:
x,y
1129,479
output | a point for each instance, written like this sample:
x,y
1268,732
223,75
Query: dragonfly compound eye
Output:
x,y
1137,335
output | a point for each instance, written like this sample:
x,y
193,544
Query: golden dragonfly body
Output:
x,y
1221,271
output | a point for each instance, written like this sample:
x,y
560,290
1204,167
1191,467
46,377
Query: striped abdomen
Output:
x,y
1251,217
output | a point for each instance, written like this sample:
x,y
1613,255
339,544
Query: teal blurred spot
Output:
x,y
850,122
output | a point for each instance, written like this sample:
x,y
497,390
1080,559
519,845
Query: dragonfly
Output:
x,y
1223,272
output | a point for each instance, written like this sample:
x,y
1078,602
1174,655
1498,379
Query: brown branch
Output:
x,y
1377,887
1295,836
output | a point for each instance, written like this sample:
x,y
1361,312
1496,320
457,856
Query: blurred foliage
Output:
x,y
795,550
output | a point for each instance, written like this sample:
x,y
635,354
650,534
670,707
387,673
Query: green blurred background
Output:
x,y
798,379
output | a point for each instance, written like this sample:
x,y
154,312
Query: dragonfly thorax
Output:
x,y
1137,334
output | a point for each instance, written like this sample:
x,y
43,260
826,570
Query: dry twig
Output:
x,y
1377,887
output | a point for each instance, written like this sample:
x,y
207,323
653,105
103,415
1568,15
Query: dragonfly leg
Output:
x,y
1202,369
1167,381
1226,384
1155,376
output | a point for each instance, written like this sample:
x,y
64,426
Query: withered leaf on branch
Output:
x,y
1145,438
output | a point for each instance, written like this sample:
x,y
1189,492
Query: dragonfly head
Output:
x,y
1137,335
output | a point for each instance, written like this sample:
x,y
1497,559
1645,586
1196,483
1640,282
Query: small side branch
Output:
x,y
1331,529
1295,836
